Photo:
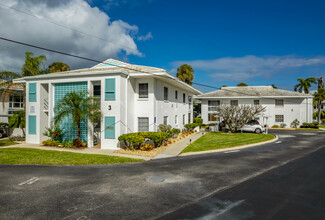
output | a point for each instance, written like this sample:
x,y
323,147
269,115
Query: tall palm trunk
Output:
x,y
319,112
79,130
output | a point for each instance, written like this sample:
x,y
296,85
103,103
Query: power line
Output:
x,y
63,26
129,68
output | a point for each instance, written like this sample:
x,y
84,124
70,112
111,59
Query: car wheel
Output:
x,y
1,135
258,131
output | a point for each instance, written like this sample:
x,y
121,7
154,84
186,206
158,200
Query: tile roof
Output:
x,y
264,91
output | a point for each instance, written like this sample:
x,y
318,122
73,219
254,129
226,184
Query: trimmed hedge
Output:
x,y
310,125
135,140
191,126
198,121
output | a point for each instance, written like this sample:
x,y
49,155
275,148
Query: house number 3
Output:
x,y
109,108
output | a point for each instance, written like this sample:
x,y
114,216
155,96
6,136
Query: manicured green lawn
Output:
x,y
51,157
212,141
6,142
322,126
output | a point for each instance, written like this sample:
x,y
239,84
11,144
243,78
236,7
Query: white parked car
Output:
x,y
253,126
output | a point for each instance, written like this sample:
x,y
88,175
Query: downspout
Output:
x,y
126,104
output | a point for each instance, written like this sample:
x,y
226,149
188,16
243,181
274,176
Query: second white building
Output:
x,y
282,107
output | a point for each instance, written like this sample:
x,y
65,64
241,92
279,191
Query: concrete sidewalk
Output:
x,y
175,149
82,151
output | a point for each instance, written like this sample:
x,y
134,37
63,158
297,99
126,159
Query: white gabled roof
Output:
x,y
112,66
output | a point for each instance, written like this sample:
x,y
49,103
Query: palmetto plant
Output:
x,y
17,120
31,67
80,106
304,85
319,96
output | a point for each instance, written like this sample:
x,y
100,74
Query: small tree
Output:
x,y
235,117
319,97
18,121
295,123
80,106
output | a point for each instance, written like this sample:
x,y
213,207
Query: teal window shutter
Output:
x,y
109,127
32,124
110,89
32,92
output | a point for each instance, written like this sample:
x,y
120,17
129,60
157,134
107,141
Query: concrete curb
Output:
x,y
229,148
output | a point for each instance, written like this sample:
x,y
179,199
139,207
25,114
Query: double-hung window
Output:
x,y
143,124
165,93
279,103
165,120
212,105
143,90
234,102
184,98
256,102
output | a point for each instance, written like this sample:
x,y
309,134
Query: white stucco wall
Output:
x,y
126,108
294,108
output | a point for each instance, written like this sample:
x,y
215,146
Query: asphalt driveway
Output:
x,y
159,188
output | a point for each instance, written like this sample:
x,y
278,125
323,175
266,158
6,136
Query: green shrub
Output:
x,y
17,138
174,132
283,125
198,121
310,125
295,123
190,126
157,137
133,141
4,125
275,126
164,128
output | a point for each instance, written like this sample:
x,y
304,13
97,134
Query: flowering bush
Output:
x,y
54,133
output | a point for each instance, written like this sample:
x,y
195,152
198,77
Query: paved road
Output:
x,y
278,180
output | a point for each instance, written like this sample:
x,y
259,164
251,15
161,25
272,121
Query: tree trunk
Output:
x,y
319,112
79,131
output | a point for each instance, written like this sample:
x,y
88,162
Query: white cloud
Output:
x,y
248,67
146,37
76,14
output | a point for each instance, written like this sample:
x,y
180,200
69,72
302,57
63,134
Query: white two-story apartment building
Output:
x,y
133,98
282,107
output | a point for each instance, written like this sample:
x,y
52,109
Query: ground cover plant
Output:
x,y
6,142
212,141
52,157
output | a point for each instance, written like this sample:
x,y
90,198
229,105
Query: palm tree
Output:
x,y
80,106
185,73
58,67
304,85
18,120
319,97
31,67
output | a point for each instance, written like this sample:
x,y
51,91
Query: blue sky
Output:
x,y
252,36
227,42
